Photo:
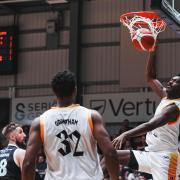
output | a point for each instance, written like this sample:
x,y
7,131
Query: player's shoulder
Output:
x,y
19,156
176,101
49,111
92,112
171,102
84,109
96,116
19,151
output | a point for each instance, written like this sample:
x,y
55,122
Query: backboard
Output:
x,y
169,10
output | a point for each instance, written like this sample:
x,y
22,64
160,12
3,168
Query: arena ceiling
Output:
x,y
28,6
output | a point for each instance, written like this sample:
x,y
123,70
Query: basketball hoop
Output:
x,y
143,19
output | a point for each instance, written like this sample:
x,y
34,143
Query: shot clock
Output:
x,y
8,49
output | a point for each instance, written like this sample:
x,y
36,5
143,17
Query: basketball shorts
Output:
x,y
162,165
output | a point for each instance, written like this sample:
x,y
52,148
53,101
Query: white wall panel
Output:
x,y
101,35
7,80
168,34
39,20
4,93
35,20
132,63
101,11
101,89
39,67
100,64
168,63
64,37
32,40
130,5
108,11
24,92
66,16
6,20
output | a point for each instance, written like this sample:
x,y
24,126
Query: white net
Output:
x,y
137,22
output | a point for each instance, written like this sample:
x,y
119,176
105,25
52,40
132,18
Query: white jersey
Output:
x,y
69,145
164,138
163,165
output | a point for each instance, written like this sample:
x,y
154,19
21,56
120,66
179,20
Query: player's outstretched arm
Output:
x,y
170,114
33,147
104,142
152,81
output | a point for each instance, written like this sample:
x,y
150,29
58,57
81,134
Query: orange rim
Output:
x,y
159,23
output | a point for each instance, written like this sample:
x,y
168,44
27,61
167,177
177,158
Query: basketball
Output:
x,y
143,39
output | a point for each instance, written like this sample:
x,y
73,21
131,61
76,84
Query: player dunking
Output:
x,y
161,157
69,134
11,157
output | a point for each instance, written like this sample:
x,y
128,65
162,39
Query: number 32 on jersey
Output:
x,y
65,141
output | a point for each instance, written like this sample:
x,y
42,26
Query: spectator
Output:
x,y
40,168
142,177
124,126
131,176
125,172
139,142
127,145
120,171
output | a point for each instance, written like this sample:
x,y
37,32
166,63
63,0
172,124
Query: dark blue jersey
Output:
x,y
8,168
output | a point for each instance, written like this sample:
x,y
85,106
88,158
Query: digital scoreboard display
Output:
x,y
8,50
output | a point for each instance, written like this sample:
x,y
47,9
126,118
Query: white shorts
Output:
x,y
162,165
